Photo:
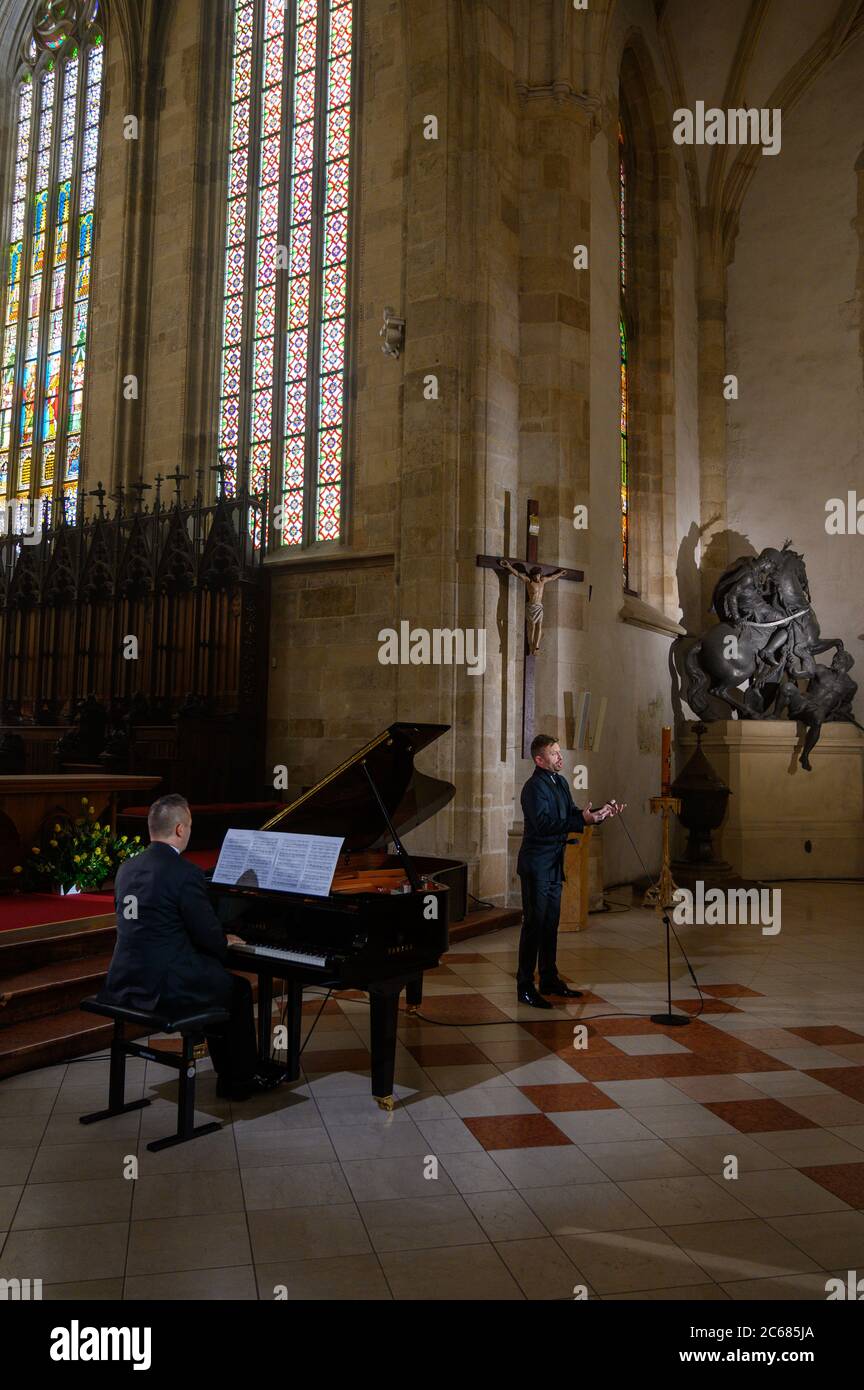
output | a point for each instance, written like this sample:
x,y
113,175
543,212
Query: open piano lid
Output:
x,y
343,803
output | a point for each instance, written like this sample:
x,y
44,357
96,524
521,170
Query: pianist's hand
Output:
x,y
233,940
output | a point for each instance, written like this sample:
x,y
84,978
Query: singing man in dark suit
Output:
x,y
171,950
549,818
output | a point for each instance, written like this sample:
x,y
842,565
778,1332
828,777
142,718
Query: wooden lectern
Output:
x,y
574,898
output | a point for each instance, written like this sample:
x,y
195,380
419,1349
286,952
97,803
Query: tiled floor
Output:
x,y
724,1160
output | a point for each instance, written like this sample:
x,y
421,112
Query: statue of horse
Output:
x,y
767,629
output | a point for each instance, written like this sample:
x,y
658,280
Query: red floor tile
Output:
x,y
845,1180
447,1054
622,1068
759,1116
826,1034
465,1008
515,1131
343,1059
730,991
848,1080
580,1096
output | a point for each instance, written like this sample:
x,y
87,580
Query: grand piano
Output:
x,y
387,916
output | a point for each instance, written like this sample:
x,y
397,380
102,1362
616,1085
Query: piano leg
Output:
x,y
293,1020
265,1016
384,1016
414,993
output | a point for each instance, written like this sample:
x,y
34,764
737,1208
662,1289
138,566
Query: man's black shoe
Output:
x,y
563,991
529,995
254,1086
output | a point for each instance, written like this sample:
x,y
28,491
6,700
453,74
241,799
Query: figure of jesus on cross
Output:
x,y
535,582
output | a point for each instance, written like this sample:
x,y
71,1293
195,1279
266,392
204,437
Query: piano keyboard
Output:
x,y
295,957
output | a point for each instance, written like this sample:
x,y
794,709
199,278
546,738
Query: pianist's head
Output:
x,y
169,821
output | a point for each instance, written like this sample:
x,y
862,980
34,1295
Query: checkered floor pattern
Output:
x,y
579,1152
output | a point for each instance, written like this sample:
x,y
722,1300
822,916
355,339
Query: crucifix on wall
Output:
x,y
535,577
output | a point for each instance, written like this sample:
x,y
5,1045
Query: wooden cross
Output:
x,y
496,562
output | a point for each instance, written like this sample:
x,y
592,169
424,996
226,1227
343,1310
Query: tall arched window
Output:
x,y
284,349
623,346
49,237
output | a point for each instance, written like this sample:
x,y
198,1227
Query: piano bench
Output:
x,y
191,1028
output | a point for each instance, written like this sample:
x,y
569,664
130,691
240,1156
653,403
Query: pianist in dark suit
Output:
x,y
549,818
170,956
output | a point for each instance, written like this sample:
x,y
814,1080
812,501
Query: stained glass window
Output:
x,y
283,357
46,287
624,356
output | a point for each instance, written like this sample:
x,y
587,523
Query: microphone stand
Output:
x,y
660,895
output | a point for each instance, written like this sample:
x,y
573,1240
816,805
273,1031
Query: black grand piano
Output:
x,y
387,916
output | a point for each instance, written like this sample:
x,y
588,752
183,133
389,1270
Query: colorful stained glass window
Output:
x,y
45,292
624,358
283,359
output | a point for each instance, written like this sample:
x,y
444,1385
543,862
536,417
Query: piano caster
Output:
x,y
411,1009
385,1102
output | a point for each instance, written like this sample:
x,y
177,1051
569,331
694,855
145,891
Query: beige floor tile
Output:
x,y
66,1129
540,1268
295,1185
583,1208
233,1284
709,1153
187,1194
834,1239
417,1223
782,1288
698,1293
65,1254
676,1200
627,1261
28,1104
208,1154
360,1141
174,1244
828,1110
23,1133
83,1202
84,1291
787,1193
76,1162
552,1165
476,1101
781,1084
472,1273
732,1250
16,1164
306,1233
713,1088
280,1148
10,1197
808,1148
448,1136
474,1172
600,1126
647,1158
357,1277
505,1216
678,1121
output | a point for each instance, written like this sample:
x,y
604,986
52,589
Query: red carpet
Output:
x,y
39,909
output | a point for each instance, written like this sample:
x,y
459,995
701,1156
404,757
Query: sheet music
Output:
x,y
279,862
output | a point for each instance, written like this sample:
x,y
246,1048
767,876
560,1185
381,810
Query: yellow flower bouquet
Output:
x,y
80,854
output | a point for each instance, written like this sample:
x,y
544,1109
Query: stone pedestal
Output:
x,y
783,822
